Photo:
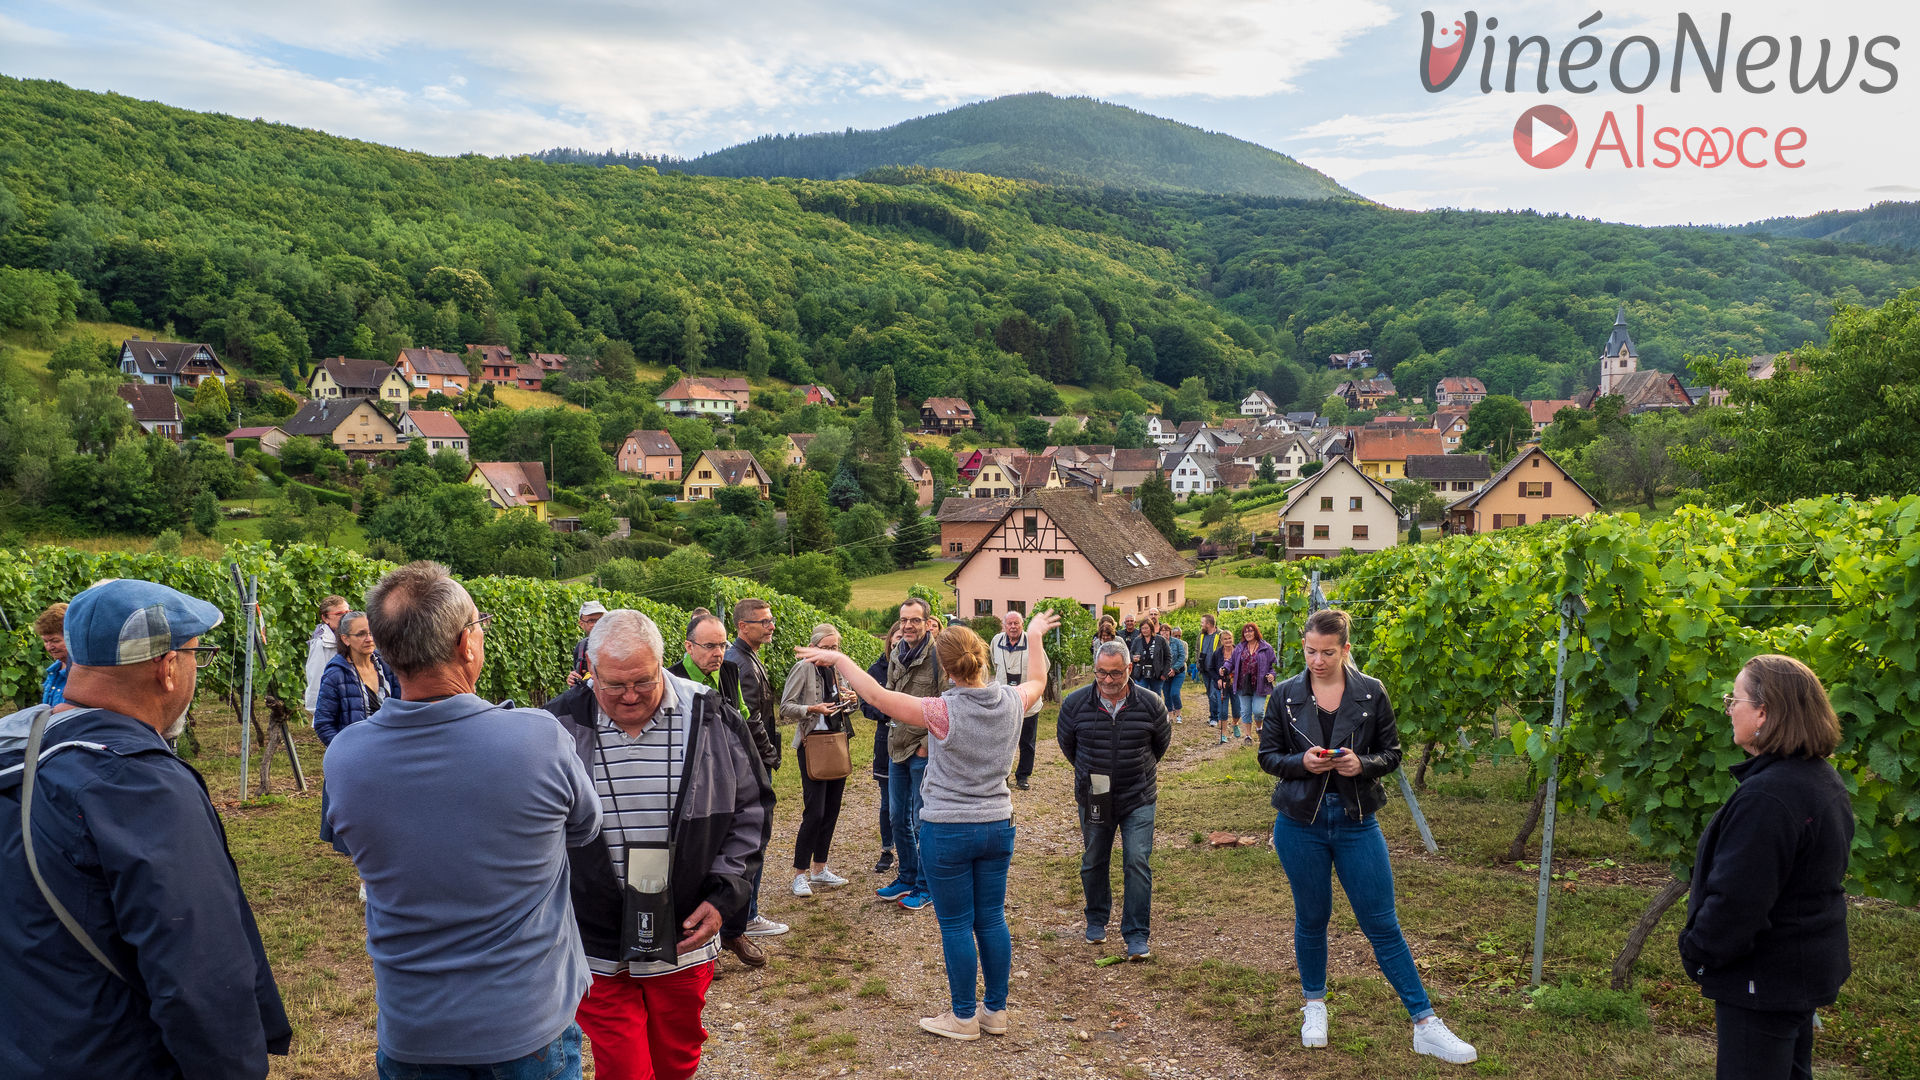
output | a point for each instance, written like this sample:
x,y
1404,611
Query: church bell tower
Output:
x,y
1619,359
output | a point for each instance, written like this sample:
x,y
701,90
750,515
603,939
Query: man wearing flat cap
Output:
x,y
128,949
590,613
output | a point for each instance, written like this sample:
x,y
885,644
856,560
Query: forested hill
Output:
x,y
1892,223
277,244
1027,137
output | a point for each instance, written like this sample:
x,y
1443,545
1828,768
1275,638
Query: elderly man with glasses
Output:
x,y
1115,733
458,814
671,759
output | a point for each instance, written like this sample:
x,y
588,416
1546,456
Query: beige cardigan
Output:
x,y
802,690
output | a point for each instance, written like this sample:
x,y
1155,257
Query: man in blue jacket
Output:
x,y
170,980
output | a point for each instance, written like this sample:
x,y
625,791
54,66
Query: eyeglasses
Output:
x,y
484,620
1109,676
709,647
912,622
1727,700
202,655
768,621
621,691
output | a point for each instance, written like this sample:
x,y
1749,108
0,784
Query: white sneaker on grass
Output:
x,y
1431,1037
826,877
761,926
1313,1027
800,886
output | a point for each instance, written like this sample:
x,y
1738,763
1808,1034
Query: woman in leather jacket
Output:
x,y
1330,736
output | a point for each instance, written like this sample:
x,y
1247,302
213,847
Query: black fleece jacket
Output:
x,y
1126,746
1767,919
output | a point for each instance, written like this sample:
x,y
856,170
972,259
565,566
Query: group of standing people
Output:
x,y
535,875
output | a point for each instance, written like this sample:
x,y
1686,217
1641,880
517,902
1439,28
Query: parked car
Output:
x,y
1231,603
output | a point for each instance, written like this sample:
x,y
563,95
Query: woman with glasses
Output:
x,y
815,700
966,812
1766,930
352,686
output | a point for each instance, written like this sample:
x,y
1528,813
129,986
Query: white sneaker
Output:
x,y
1313,1029
363,892
826,877
1430,1036
800,886
761,926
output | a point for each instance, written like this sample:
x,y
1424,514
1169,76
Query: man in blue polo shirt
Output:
x,y
458,815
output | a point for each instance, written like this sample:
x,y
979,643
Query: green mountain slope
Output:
x,y
1025,136
1896,224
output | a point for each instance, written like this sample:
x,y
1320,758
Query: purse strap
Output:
x,y
37,732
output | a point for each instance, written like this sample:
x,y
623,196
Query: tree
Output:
x,y
1311,468
864,548
815,578
1131,434
742,501
300,455
1189,403
453,468
1216,510
912,535
324,520
598,520
206,512
807,526
1638,460
96,414
683,579
1267,473
1413,532
1227,535
1498,423
282,527
1156,504
1411,498
845,490
1336,410
84,354
1031,434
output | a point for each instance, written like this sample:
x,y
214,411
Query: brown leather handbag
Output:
x,y
829,754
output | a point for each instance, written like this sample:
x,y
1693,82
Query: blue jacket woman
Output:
x,y
344,698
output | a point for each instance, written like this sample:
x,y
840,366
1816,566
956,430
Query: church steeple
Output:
x,y
1619,359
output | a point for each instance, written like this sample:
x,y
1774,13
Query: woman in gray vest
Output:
x,y
966,811
814,701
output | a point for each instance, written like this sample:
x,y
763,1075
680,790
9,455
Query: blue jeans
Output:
x,y
903,800
1136,872
558,1060
1216,701
1172,694
886,812
1311,854
964,864
1253,708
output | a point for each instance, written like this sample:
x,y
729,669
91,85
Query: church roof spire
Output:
x,y
1620,338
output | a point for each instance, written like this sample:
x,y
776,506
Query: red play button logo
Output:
x,y
1545,136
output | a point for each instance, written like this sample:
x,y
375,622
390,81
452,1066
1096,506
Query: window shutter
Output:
x,y
1549,489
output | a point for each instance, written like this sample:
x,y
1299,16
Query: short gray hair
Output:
x,y
926,609
1113,648
621,633
416,613
823,631
701,617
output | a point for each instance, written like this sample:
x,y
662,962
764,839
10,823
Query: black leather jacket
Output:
x,y
1364,725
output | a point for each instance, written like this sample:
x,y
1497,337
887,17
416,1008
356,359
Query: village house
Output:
x,y
170,363
1338,507
430,371
513,485
1382,453
440,430
269,439
1451,426
1097,550
649,455
1190,473
946,415
968,462
529,377
1347,361
1530,489
1257,403
1131,468
1450,475
800,440
344,377
154,408
496,364
1620,376
920,477
1543,412
1288,454
715,469
1010,473
964,522
1366,393
1464,391
1231,477
818,395
698,397
1758,368
352,424
1160,431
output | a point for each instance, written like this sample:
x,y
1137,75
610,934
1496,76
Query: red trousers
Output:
x,y
646,1029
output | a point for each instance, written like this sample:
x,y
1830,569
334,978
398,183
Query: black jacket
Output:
x,y
1364,724
726,814
129,842
763,702
878,672
1767,920
1126,746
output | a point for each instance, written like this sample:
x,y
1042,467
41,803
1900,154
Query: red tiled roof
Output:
x,y
515,483
433,362
437,425
1395,444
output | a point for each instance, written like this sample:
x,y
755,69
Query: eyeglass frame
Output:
x,y
709,645
768,621
1111,676
480,620
203,655
621,690
1727,700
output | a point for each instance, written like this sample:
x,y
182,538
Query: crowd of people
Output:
x,y
533,877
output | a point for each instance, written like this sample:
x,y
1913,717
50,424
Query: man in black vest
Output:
x,y
753,624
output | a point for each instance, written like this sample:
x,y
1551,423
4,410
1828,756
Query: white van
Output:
x,y
1231,603
1265,602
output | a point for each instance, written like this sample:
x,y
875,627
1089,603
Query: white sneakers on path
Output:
x,y
1430,1036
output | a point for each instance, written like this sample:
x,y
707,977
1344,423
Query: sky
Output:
x,y
1335,85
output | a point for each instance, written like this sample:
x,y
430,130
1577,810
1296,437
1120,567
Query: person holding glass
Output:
x,y
1766,930
1330,736
814,700
966,812
353,686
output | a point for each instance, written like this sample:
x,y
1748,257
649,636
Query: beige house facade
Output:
x,y
1531,488
1069,542
1338,507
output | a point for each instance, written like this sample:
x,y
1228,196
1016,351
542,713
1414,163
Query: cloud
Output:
x,y
654,75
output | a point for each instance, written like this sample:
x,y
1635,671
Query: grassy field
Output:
x,y
351,536
28,372
1222,969
884,589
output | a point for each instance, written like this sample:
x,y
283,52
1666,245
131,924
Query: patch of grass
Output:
x,y
840,1042
1602,1006
874,988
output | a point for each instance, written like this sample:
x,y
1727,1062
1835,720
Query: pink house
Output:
x,y
1070,542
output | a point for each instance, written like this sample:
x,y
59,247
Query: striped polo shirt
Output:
x,y
638,779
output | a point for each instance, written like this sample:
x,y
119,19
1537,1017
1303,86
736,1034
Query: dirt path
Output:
x,y
1069,1017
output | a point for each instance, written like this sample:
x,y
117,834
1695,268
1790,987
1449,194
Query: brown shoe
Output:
x,y
747,949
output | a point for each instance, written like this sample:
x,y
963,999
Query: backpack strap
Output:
x,y
31,768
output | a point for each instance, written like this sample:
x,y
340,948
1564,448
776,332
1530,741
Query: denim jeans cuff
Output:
x,y
1315,995
1422,1014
